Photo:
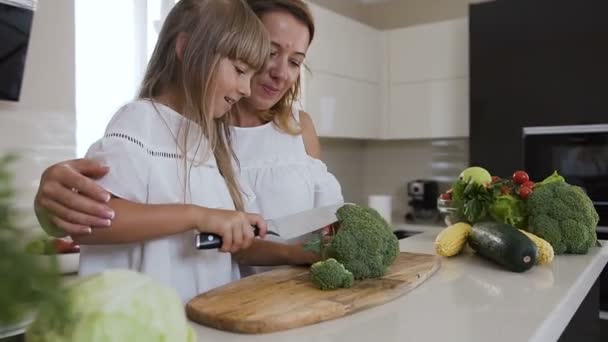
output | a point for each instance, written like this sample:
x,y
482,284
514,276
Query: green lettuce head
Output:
x,y
115,305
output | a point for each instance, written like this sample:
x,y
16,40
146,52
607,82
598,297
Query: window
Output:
x,y
114,41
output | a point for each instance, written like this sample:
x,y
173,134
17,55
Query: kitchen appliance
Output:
x,y
15,25
577,152
285,298
422,200
295,226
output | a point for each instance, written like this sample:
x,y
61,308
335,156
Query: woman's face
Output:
x,y
230,83
289,38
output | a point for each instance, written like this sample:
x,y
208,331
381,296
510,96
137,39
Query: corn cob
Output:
x,y
452,239
545,250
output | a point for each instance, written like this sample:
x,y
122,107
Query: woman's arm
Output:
x,y
270,253
69,202
309,134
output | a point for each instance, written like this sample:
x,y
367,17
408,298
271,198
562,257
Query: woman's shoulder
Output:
x,y
309,135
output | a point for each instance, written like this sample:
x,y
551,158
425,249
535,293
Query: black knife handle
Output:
x,y
213,241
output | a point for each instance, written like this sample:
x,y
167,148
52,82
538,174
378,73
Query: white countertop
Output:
x,y
468,299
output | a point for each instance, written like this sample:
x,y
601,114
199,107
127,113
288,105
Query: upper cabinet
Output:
x,y
428,81
342,89
409,83
429,52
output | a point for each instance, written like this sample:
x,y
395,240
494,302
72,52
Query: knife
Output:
x,y
287,227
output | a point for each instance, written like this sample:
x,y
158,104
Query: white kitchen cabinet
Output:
x,y
342,107
342,91
345,47
409,83
429,109
428,81
429,52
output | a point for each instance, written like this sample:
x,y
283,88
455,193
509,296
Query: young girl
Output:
x,y
177,133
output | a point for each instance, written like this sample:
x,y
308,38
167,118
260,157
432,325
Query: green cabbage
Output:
x,y
115,305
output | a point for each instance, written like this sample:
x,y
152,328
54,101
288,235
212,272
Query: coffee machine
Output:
x,y
423,201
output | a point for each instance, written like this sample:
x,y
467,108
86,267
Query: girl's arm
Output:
x,y
134,222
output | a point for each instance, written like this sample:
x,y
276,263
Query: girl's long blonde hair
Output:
x,y
280,113
214,29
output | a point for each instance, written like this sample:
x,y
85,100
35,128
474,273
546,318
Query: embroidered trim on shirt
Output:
x,y
140,144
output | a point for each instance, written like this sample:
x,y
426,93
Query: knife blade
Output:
x,y
287,227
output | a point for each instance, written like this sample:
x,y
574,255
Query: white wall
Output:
x,y
41,126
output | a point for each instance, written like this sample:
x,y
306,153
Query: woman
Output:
x,y
285,177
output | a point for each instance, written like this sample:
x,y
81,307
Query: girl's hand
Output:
x,y
235,227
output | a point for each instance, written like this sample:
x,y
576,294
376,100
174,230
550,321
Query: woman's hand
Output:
x,y
70,200
235,227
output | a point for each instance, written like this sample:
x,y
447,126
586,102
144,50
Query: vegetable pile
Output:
x,y
516,222
364,246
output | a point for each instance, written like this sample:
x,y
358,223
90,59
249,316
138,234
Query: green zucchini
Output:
x,y
503,244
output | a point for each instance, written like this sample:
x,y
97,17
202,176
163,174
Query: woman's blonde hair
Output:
x,y
214,29
281,112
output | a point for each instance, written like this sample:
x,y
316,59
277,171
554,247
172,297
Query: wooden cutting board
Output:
x,y
285,298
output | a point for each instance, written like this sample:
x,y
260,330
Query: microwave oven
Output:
x,y
577,152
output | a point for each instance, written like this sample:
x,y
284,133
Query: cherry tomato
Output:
x,y
64,246
446,195
495,179
529,184
520,177
524,192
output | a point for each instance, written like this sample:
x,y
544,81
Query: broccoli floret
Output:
x,y
365,243
330,275
563,215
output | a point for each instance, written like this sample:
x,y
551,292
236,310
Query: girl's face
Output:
x,y
230,83
289,38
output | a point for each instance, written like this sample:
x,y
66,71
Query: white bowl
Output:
x,y
68,262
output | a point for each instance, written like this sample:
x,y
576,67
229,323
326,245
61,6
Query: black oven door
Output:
x,y
579,153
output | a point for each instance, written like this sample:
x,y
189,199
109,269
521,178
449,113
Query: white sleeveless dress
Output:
x,y
283,177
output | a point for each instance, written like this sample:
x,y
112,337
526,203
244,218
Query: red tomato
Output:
x,y
524,192
529,184
64,246
495,179
520,177
446,196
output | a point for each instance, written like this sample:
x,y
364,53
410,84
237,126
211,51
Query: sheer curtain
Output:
x,y
114,40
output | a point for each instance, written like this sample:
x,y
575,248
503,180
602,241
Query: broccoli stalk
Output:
x,y
330,275
364,244
563,215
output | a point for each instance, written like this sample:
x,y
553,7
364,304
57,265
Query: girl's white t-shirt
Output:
x,y
147,166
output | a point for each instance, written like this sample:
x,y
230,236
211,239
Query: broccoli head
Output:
x,y
563,215
330,275
365,243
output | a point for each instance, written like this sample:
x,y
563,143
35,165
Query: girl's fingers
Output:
x,y
226,241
